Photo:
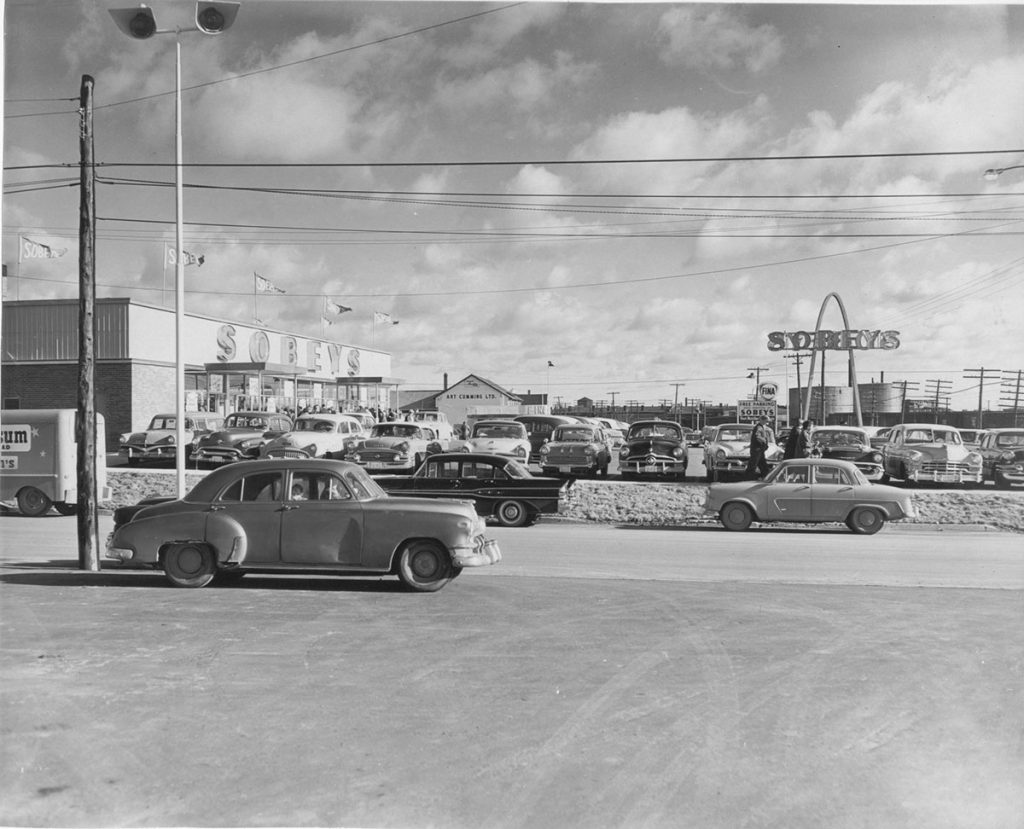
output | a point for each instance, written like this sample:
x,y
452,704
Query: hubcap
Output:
x,y
189,560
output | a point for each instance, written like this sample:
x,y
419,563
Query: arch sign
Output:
x,y
848,339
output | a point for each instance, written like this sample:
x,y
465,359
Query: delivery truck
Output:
x,y
39,460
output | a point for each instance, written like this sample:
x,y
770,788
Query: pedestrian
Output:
x,y
804,445
757,467
792,449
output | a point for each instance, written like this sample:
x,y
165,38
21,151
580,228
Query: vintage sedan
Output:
x,y
848,443
727,451
653,449
300,515
317,436
157,441
929,452
241,437
539,429
503,490
1002,456
506,438
576,449
812,490
398,446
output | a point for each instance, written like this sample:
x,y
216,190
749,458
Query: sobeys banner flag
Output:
x,y
29,249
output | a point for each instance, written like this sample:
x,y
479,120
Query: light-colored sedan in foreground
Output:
x,y
305,515
813,491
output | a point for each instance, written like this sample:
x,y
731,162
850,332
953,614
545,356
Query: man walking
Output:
x,y
759,438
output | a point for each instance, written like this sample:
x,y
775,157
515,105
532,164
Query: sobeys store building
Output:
x,y
229,366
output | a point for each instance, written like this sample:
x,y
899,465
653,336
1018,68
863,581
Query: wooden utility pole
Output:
x,y
981,375
85,427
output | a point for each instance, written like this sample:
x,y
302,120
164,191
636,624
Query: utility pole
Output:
x,y
979,374
903,398
85,426
1013,392
613,393
936,391
798,358
675,406
755,372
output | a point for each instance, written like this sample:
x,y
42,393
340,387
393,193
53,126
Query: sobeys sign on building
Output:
x,y
843,340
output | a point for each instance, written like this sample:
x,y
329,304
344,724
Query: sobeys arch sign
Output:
x,y
847,339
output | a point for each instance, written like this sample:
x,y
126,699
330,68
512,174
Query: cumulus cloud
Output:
x,y
525,84
717,37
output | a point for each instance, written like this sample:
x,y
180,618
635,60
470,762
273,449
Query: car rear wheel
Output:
x,y
33,502
865,521
511,514
425,566
189,564
736,516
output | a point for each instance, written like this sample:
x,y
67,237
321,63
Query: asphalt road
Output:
x,y
597,677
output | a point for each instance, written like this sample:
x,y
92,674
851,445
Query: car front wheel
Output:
x,y
425,566
736,516
865,521
511,514
189,564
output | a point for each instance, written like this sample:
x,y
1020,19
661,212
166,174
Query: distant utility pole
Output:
x,y
938,390
675,406
1012,386
980,374
755,372
903,398
798,358
85,427
613,393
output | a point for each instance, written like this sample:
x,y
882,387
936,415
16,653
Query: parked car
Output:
x,y
316,436
576,449
501,489
1002,456
693,437
539,429
308,515
157,441
240,438
613,431
438,421
848,443
396,446
506,438
815,490
971,437
653,448
879,438
929,452
727,451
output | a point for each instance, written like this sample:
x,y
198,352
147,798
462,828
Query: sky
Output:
x,y
612,201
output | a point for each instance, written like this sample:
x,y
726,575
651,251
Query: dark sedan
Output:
x,y
655,449
500,488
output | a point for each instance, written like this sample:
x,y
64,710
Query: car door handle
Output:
x,y
288,507
215,508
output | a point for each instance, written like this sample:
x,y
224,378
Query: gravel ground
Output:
x,y
655,504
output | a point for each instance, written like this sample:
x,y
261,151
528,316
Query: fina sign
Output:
x,y
834,340
767,392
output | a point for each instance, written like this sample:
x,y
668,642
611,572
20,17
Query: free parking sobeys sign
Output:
x,y
753,409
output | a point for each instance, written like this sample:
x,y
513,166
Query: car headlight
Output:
x,y
720,453
124,438
677,452
545,449
974,459
624,451
250,444
520,452
1006,457
876,457
402,447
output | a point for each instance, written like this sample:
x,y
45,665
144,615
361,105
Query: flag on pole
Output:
x,y
265,286
335,308
28,249
186,258
550,364
326,320
380,316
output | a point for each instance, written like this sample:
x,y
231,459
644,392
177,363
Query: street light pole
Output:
x,y
211,18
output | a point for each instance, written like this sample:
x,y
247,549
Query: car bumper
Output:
x,y
218,456
155,453
1013,473
952,476
483,554
658,466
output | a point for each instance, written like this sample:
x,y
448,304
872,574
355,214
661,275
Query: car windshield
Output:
x,y
919,435
162,423
736,433
237,421
364,487
843,438
655,430
314,425
395,430
1010,439
499,430
573,434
